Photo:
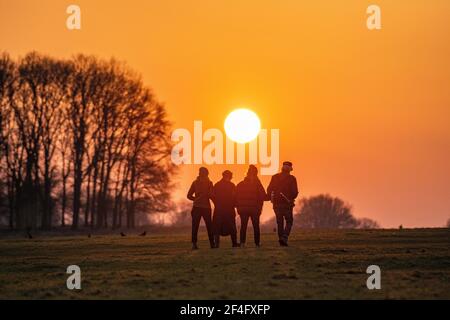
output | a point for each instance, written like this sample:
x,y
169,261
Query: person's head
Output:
x,y
203,172
252,171
227,175
287,167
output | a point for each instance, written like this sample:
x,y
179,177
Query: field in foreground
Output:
x,y
415,264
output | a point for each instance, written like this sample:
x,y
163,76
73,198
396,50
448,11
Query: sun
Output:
x,y
242,126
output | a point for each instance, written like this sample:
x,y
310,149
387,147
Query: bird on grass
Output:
x,y
123,234
29,233
143,234
89,235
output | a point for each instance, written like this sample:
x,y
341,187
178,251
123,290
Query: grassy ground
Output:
x,y
317,265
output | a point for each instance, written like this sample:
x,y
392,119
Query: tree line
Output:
x,y
328,212
324,211
82,142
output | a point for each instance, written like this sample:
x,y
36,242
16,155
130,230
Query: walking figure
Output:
x,y
224,220
283,191
250,197
200,193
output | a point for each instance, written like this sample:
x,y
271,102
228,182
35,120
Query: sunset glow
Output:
x,y
242,126
363,115
203,153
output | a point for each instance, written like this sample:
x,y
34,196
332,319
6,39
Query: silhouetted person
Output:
x,y
200,193
283,191
224,221
250,197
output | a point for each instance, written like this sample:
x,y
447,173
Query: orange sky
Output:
x,y
364,115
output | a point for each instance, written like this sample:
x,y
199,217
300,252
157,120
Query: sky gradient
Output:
x,y
363,115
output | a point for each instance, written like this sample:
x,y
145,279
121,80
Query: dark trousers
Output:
x,y
253,214
224,223
233,236
197,214
282,215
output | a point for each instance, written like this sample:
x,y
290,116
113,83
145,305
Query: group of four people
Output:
x,y
248,198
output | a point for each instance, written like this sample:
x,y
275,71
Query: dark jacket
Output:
x,y
283,184
200,192
224,197
250,193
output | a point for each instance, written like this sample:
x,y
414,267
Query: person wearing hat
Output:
x,y
250,197
200,193
283,191
224,219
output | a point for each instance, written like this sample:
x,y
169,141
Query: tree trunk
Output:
x,y
78,174
88,200
64,201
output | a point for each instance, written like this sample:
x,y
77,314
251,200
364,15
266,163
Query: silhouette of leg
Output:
x,y
244,223
280,223
256,231
209,228
289,216
216,240
196,216
233,231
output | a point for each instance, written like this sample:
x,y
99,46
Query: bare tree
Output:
x,y
149,164
45,79
324,211
366,223
85,84
8,77
64,144
26,105
83,124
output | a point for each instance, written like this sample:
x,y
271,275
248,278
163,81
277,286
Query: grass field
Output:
x,y
415,264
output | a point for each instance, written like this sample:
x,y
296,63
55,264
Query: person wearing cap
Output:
x,y
224,219
250,197
283,191
200,193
